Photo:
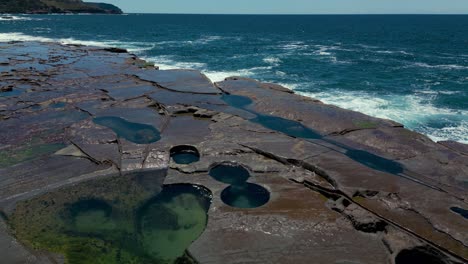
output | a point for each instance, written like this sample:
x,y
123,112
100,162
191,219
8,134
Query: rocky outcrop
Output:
x,y
56,6
329,184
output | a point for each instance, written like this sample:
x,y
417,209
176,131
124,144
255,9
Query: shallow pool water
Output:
x,y
14,92
247,195
460,211
123,219
230,173
239,193
237,101
185,158
286,126
170,222
296,129
373,161
58,105
28,151
423,255
134,132
184,154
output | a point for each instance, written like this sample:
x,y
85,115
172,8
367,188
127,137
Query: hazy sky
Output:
x,y
294,6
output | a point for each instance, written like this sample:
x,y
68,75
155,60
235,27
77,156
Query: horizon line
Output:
x,y
300,14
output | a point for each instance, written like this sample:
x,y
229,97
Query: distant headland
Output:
x,y
56,6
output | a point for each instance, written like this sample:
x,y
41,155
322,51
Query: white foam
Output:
x,y
17,18
442,66
394,52
456,133
291,86
167,63
414,111
200,41
367,46
437,92
272,60
323,53
17,36
295,45
217,76
281,73
323,50
136,47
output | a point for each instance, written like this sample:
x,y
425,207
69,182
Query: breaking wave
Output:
x,y
130,46
17,18
415,111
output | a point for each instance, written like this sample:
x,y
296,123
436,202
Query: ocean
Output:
x,y
409,68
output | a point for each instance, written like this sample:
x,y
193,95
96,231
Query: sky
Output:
x,y
294,6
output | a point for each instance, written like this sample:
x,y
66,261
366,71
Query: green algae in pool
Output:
x,y
230,173
170,222
26,152
134,132
91,216
247,195
184,154
115,220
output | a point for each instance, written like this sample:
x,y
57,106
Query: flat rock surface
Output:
x,y
185,81
343,187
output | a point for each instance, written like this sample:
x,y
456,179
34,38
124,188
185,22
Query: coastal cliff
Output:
x,y
105,158
56,6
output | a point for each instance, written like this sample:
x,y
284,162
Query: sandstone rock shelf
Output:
x,y
330,185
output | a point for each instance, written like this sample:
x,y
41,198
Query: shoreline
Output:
x,y
437,135
430,103
340,100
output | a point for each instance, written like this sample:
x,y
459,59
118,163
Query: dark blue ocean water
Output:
x,y
412,69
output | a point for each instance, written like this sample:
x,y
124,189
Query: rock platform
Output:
x,y
344,187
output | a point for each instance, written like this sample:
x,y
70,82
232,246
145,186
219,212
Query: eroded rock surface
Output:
x,y
342,187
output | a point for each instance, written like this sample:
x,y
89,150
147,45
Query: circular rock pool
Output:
x,y
184,154
247,195
230,173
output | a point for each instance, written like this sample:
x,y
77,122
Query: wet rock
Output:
x,y
185,81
